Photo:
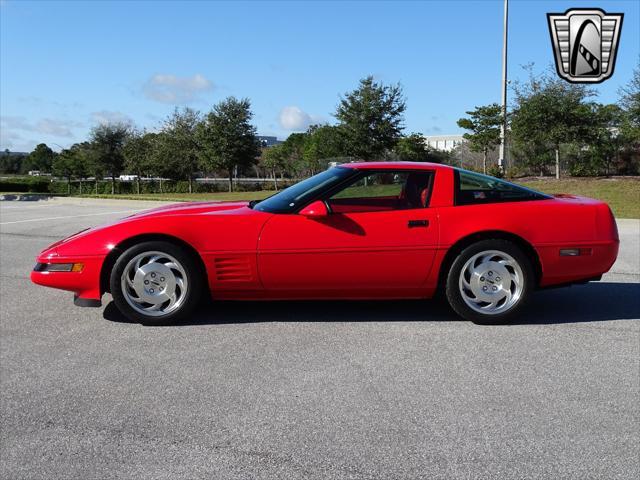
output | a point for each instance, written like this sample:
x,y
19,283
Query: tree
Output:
x,y
138,154
484,123
414,148
176,148
606,140
273,159
550,111
107,141
630,99
293,151
227,137
323,142
371,117
63,166
82,161
75,161
629,126
11,162
41,158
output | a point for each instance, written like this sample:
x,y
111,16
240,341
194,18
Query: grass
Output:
x,y
622,194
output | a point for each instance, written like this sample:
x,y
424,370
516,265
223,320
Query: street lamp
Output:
x,y
503,124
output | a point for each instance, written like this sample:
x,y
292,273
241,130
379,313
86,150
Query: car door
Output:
x,y
375,242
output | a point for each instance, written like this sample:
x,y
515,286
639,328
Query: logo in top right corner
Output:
x,y
585,43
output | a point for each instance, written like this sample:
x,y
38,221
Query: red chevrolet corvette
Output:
x,y
357,231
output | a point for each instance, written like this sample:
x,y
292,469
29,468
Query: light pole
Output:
x,y
503,124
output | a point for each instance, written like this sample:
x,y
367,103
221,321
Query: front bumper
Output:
x,y
84,284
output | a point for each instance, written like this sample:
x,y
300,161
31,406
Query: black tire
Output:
x,y
455,296
195,278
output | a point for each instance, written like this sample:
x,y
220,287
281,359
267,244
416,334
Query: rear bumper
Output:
x,y
85,284
598,259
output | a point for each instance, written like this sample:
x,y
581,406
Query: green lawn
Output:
x,y
623,195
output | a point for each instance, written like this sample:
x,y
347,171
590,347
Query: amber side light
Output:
x,y
59,267
575,252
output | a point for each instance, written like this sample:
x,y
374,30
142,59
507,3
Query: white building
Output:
x,y
445,143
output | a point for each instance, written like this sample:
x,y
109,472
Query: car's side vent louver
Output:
x,y
233,269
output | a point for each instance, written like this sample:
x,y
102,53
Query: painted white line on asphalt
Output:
x,y
68,216
23,207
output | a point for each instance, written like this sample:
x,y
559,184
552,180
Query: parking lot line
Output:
x,y
23,207
44,219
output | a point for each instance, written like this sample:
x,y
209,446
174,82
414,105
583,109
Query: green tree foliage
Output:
x,y
139,154
630,99
83,161
629,127
273,159
41,158
63,166
177,151
371,117
11,162
323,143
76,161
484,124
227,137
293,151
552,112
414,148
107,141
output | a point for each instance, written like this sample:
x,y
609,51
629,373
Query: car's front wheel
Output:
x,y
156,283
489,281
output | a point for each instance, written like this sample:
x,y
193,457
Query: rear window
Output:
x,y
473,188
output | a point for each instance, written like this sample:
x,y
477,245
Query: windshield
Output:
x,y
298,195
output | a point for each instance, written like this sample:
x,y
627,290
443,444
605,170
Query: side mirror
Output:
x,y
315,209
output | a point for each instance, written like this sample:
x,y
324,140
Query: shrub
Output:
x,y
25,184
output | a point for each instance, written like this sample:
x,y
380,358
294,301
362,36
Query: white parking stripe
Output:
x,y
23,207
69,216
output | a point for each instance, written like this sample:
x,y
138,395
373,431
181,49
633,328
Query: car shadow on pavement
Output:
x,y
593,302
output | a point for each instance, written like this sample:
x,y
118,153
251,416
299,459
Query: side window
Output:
x,y
382,191
473,188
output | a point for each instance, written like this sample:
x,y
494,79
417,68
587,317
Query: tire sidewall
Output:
x,y
453,290
192,270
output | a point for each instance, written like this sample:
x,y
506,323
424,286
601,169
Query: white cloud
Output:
x,y
56,128
46,126
294,119
166,88
108,116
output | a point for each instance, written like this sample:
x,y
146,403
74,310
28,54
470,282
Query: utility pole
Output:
x,y
503,125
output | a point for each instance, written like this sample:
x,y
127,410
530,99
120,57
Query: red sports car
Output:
x,y
356,231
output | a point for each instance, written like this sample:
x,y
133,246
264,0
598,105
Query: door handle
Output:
x,y
418,223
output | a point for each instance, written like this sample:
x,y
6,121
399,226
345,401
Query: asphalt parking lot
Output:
x,y
358,390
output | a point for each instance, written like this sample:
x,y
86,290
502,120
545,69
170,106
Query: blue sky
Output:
x,y
66,66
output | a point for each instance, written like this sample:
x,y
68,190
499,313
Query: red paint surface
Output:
x,y
363,254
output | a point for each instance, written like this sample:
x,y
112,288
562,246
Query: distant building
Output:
x,y
267,141
446,143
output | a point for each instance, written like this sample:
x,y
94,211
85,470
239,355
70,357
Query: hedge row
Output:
x,y
103,187
30,184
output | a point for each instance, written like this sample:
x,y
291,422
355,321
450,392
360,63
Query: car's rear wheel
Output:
x,y
489,281
156,283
